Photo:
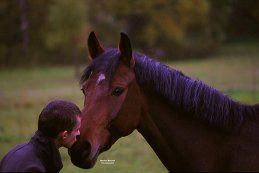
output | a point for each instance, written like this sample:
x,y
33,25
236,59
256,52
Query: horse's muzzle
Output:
x,y
79,154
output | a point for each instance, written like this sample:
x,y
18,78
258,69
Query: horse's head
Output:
x,y
112,103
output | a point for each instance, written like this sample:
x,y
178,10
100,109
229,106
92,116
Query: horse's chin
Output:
x,y
85,163
83,157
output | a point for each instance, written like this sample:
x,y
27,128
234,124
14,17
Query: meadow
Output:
x,y
25,91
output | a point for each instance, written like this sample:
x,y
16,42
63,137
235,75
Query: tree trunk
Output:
x,y
24,27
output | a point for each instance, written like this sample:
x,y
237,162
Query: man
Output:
x,y
58,126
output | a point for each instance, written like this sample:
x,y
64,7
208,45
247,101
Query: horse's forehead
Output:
x,y
100,78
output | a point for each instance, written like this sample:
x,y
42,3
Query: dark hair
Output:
x,y
57,116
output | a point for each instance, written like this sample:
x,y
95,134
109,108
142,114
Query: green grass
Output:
x,y
24,92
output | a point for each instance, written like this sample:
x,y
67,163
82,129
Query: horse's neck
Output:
x,y
179,141
157,115
151,132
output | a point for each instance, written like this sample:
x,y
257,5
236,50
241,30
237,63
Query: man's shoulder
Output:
x,y
18,157
17,150
20,150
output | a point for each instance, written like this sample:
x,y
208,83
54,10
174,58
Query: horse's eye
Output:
x,y
117,91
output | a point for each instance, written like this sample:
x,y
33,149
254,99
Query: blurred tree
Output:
x,y
21,26
243,20
55,30
24,26
37,13
66,24
159,27
9,32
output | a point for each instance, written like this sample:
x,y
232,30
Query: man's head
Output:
x,y
60,119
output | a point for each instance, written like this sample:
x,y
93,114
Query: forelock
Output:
x,y
106,64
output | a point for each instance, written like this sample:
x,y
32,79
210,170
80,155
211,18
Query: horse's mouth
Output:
x,y
84,156
80,157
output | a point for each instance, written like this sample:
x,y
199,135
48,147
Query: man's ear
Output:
x,y
63,135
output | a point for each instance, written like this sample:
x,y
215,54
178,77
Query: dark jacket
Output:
x,y
40,154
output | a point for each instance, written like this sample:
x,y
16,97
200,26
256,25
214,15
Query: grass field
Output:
x,y
24,92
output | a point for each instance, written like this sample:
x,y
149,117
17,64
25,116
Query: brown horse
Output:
x,y
190,125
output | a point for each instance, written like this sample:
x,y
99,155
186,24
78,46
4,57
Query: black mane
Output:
x,y
192,96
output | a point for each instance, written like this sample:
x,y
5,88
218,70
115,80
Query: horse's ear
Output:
x,y
125,50
94,47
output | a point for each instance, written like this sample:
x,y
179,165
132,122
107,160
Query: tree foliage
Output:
x,y
172,29
65,26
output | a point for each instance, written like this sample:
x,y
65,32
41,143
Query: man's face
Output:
x,y
72,136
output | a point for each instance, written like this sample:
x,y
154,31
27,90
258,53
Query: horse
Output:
x,y
190,125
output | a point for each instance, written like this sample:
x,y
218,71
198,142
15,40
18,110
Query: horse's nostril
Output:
x,y
87,147
78,150
77,137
